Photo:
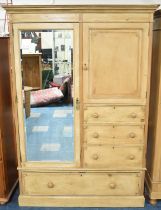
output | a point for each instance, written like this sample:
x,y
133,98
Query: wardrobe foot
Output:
x,y
153,202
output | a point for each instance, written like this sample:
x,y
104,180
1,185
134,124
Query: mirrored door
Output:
x,y
49,94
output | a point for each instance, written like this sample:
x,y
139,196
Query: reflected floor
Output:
x,y
50,134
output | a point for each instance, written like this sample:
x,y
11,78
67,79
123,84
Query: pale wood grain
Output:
x,y
114,134
81,184
114,114
153,175
113,157
84,201
112,51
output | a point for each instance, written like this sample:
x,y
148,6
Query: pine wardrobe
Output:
x,y
97,159
153,177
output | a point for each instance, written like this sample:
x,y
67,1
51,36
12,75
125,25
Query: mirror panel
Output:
x,y
47,81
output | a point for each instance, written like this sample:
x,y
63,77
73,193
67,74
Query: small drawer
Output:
x,y
81,183
129,114
113,134
113,157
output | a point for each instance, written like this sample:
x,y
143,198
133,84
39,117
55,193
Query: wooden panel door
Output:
x,y
115,62
75,86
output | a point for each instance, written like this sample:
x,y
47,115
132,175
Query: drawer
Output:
x,y
113,134
75,183
113,157
130,114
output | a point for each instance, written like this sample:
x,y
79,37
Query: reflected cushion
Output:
x,y
53,84
45,96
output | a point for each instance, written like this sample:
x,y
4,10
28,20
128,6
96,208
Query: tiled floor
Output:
x,y
13,205
50,134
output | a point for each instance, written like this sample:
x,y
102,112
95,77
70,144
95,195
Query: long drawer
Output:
x,y
113,157
82,183
113,134
129,114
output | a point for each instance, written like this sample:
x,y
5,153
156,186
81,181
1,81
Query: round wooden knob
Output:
x,y
95,115
131,157
95,157
112,185
132,135
85,67
95,135
50,185
133,115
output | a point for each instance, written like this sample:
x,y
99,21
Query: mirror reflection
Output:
x,y
47,81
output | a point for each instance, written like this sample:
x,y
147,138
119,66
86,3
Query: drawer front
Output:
x,y
130,114
113,134
81,184
113,157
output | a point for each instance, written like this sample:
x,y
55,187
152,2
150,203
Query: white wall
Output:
x,y
107,1
82,1
2,12
32,1
2,17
